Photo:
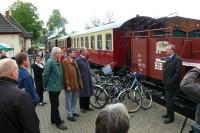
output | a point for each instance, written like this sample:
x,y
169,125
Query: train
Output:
x,y
139,43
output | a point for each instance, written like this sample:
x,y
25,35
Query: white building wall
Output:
x,y
12,40
27,44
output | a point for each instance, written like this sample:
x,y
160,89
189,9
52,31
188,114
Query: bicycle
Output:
x,y
136,95
133,94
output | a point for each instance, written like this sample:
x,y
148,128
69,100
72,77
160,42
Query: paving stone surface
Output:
x,y
148,121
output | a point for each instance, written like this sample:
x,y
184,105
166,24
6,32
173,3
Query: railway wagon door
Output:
x,y
123,52
139,55
195,43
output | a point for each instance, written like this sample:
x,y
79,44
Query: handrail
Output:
x,y
150,34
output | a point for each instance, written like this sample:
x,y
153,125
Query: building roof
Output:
x,y
7,27
63,37
15,23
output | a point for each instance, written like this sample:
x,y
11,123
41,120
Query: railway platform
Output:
x,y
143,121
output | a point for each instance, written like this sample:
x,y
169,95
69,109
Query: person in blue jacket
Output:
x,y
25,80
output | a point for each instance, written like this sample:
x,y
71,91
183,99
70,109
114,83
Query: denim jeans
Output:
x,y
70,102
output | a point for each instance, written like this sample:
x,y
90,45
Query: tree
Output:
x,y
56,23
87,26
109,17
96,21
27,16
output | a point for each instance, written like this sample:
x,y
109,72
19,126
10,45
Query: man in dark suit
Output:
x,y
87,90
171,80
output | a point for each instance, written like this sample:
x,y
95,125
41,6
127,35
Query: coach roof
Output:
x,y
103,27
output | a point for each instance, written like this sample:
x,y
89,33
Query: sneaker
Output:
x,y
164,116
44,102
168,120
71,118
90,109
76,115
41,104
52,122
61,126
82,110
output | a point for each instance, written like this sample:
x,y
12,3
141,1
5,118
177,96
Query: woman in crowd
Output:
x,y
38,69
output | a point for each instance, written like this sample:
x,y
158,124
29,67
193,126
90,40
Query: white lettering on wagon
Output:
x,y
158,64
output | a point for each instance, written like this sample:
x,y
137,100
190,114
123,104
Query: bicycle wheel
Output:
x,y
99,99
146,97
131,99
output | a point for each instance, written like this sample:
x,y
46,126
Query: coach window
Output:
x,y
99,41
92,42
82,42
74,42
86,42
108,41
78,43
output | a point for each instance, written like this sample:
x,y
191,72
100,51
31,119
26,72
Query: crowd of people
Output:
x,y
61,71
21,93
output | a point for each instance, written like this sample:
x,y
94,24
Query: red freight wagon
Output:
x,y
148,46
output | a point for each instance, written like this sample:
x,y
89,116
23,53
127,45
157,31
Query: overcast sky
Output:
x,y
79,12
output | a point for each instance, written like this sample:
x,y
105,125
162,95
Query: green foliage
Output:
x,y
26,15
37,45
56,23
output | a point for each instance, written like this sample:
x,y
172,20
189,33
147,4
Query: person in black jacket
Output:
x,y
38,69
171,81
17,113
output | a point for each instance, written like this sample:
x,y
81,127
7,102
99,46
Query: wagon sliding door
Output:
x,y
139,55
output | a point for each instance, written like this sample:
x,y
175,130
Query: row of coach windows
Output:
x,y
108,42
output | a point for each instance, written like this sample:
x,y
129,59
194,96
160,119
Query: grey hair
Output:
x,y
55,50
113,118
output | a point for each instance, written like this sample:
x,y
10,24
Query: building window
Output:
x,y
82,42
61,43
108,41
86,42
99,41
78,46
74,42
92,42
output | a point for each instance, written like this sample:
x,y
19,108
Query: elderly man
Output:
x,y
17,113
53,81
87,90
171,80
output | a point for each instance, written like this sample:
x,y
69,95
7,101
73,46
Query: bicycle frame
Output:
x,y
134,83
